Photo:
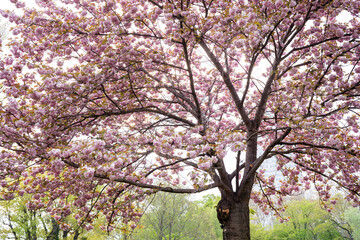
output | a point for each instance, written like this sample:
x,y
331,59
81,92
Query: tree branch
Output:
x,y
228,83
145,185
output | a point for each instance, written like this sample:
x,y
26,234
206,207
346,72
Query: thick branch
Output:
x,y
228,83
144,110
264,96
158,187
149,186
192,85
235,172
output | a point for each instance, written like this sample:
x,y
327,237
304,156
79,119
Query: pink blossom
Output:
x,y
20,5
60,63
88,227
89,172
278,3
16,31
204,165
8,196
339,32
9,61
3,183
39,31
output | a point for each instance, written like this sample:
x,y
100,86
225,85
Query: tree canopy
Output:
x,y
111,100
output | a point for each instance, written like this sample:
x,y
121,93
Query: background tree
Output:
x,y
176,217
352,217
18,222
21,223
340,209
308,219
110,101
208,207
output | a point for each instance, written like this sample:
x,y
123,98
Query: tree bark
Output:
x,y
234,219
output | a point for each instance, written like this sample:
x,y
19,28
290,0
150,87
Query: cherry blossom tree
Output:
x,y
105,102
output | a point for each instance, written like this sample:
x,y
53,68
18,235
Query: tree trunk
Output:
x,y
77,233
54,234
233,208
234,219
65,234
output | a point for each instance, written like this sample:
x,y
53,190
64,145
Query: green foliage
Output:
x,y
352,216
176,216
18,222
172,216
258,232
308,220
208,205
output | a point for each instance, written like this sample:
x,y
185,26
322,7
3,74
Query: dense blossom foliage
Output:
x,y
107,101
